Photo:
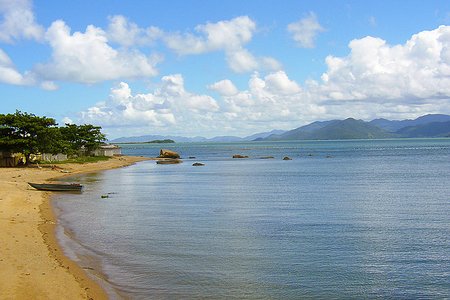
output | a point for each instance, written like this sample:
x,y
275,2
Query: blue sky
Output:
x,y
231,67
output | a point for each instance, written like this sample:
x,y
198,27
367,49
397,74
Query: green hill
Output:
x,y
334,130
436,129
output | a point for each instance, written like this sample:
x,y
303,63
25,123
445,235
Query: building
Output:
x,y
9,159
108,150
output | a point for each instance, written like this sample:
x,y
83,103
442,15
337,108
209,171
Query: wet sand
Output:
x,y
32,264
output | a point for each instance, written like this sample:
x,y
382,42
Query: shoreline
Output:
x,y
32,262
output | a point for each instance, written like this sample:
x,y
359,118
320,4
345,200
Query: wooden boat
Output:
x,y
57,187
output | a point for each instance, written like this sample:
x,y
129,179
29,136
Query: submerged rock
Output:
x,y
170,161
165,153
266,157
240,156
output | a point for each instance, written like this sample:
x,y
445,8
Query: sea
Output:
x,y
350,219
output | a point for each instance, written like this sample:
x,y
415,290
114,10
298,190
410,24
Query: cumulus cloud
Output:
x,y
67,120
305,30
88,58
168,105
10,75
229,36
419,69
123,32
374,80
8,72
272,99
17,21
222,35
241,61
280,83
224,87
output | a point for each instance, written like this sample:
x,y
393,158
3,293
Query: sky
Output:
x,y
229,67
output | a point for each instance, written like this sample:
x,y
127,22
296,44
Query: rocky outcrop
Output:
x,y
240,156
164,153
169,161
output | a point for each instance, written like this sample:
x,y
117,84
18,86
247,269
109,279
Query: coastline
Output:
x,y
32,263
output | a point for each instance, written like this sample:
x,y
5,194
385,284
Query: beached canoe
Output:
x,y
57,187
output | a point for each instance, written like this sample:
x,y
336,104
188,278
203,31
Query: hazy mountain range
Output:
x,y
180,139
435,125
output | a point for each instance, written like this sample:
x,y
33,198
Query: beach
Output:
x,y
32,264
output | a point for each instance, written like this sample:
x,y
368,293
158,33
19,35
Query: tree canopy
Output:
x,y
84,136
30,134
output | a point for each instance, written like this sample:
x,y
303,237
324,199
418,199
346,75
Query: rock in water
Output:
x,y
170,161
287,158
164,153
240,156
197,164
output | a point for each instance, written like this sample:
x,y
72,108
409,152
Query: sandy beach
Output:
x,y
32,264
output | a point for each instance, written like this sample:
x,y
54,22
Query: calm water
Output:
x,y
347,219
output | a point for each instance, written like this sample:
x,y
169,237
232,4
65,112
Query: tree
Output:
x,y
85,136
28,134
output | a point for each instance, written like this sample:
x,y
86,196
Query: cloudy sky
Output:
x,y
228,67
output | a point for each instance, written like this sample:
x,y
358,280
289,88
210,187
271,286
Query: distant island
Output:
x,y
166,141
428,126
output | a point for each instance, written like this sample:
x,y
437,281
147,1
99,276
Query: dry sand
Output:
x,y
32,264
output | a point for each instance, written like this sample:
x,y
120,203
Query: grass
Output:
x,y
78,160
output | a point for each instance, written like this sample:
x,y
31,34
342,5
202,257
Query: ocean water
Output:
x,y
341,220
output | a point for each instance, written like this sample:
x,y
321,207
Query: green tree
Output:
x,y
28,134
85,136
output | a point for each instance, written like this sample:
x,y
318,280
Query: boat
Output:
x,y
57,187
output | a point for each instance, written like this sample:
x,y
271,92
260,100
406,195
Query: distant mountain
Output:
x,y
181,139
393,126
334,130
301,133
146,138
435,125
435,129
224,139
263,135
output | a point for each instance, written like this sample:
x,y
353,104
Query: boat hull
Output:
x,y
56,187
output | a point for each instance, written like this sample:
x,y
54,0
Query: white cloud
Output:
x,y
10,75
17,21
88,58
228,36
273,99
280,83
305,30
67,120
241,61
222,35
169,106
270,63
128,34
374,80
169,109
8,72
224,87
419,69
49,85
